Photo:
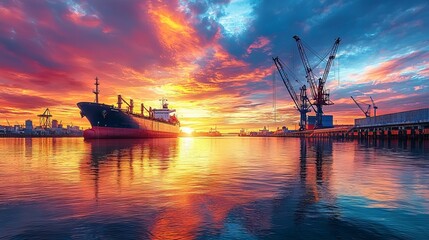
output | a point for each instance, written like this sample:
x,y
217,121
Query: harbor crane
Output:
x,y
367,112
319,94
301,101
374,107
45,119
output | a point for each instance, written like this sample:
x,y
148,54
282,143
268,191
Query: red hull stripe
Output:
x,y
108,132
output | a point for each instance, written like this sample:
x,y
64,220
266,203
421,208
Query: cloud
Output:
x,y
212,56
25,102
396,70
417,88
378,91
260,43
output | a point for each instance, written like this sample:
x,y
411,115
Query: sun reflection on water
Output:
x,y
225,187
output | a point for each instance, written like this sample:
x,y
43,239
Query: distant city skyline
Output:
x,y
211,59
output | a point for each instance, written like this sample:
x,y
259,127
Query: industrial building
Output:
x,y
46,128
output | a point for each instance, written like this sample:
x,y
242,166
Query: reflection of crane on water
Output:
x,y
311,191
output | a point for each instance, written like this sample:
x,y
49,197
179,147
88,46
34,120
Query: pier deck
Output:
x,y
413,123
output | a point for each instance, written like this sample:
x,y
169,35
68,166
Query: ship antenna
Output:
x,y
96,91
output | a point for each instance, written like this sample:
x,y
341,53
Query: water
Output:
x,y
213,188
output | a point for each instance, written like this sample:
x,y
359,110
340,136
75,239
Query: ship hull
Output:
x,y
110,122
108,132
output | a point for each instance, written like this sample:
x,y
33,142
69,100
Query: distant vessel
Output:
x,y
262,133
212,133
108,121
243,133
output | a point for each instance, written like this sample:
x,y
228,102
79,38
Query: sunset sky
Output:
x,y
211,59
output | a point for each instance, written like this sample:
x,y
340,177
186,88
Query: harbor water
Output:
x,y
213,188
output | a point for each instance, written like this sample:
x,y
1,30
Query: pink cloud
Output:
x,y
417,88
378,91
84,20
150,49
260,43
396,70
23,101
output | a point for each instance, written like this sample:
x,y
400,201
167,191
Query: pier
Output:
x,y
409,124
414,123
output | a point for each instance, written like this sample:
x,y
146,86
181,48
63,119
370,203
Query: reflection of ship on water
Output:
x,y
110,149
110,159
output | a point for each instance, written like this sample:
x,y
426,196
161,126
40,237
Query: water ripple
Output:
x,y
204,188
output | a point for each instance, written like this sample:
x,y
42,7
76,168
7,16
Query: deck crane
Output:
x,y
374,107
302,102
319,93
367,111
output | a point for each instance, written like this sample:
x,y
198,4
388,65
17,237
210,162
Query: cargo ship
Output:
x,y
108,121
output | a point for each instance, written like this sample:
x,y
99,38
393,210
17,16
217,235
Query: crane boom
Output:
x,y
301,102
329,63
330,60
286,81
311,79
366,112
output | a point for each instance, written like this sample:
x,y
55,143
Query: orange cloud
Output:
x,y
175,33
395,70
160,50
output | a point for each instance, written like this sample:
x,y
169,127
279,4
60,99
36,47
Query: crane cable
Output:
x,y
316,54
290,71
296,79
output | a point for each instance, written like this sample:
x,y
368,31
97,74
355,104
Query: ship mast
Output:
x,y
96,91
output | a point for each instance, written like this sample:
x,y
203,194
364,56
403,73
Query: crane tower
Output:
x,y
45,119
319,94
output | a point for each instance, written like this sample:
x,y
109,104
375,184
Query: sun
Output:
x,y
187,130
